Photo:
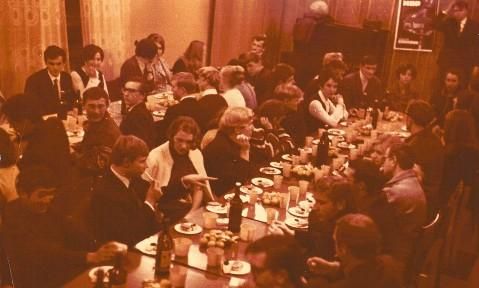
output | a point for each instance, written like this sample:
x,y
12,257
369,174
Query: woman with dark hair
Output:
x,y
140,65
161,68
402,91
89,74
192,59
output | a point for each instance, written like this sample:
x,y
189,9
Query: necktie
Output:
x,y
56,88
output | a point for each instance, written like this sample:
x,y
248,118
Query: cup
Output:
x,y
318,174
247,232
182,246
320,132
308,141
215,256
209,220
303,156
326,170
283,200
336,163
278,181
374,134
295,159
303,187
253,197
314,150
335,141
286,169
293,193
178,276
271,215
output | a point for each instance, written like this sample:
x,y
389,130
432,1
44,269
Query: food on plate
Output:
x,y
218,238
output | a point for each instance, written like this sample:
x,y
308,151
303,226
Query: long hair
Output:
x,y
193,56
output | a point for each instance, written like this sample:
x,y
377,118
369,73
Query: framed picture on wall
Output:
x,y
414,25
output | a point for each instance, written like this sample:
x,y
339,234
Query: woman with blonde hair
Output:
x,y
230,77
192,59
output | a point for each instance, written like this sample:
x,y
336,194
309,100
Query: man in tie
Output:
x,y
51,88
460,49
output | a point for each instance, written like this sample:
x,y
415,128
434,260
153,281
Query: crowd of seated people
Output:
x,y
226,123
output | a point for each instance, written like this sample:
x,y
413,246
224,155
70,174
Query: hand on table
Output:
x,y
196,180
323,267
106,253
279,228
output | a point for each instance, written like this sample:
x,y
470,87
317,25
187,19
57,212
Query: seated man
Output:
x,y
138,121
357,240
275,262
174,165
227,157
361,88
210,103
44,250
51,86
445,97
259,76
123,205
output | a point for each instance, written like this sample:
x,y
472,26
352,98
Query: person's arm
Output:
x,y
317,111
77,82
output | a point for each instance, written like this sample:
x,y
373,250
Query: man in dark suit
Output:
x,y
138,120
44,249
123,205
210,104
51,88
259,76
461,40
360,89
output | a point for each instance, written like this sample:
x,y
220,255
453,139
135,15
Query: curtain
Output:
x,y
106,23
27,28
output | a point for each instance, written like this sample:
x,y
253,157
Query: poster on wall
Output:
x,y
414,28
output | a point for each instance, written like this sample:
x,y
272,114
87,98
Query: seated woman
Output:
x,y
161,69
326,107
174,164
192,59
230,77
332,197
227,157
402,91
89,74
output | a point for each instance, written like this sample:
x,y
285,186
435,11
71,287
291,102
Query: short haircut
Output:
x,y
285,92
365,171
325,75
128,148
404,155
211,75
460,4
146,48
454,71
95,93
252,57
420,112
282,253
332,56
335,65
234,117
21,107
369,60
336,189
157,38
89,52
53,52
7,150
144,89
186,81
460,129
34,177
272,109
359,234
281,73
403,68
232,74
185,124
261,38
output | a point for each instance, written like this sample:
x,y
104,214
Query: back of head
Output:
x,y
272,109
127,149
365,171
53,52
157,38
359,235
21,107
7,150
232,74
404,155
420,112
319,8
146,48
195,50
95,93
332,56
187,81
460,129
325,75
336,189
211,75
34,177
281,73
285,92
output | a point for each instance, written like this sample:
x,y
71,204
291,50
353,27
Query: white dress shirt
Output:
x,y
331,114
234,98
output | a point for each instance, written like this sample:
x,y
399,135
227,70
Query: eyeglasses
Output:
x,y
129,90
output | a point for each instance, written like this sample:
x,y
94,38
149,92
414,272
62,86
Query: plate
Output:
x,y
262,182
217,209
196,229
159,113
276,165
80,133
92,273
316,141
345,145
336,132
399,134
244,198
287,157
237,267
250,188
270,171
298,212
148,245
344,124
297,223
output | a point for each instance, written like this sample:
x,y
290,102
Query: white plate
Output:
x,y
276,165
287,157
249,188
92,273
297,211
245,268
217,209
159,113
148,245
297,223
345,145
244,197
336,132
262,182
270,171
80,133
316,141
196,229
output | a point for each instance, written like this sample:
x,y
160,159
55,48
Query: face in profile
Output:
x,y
389,164
293,103
136,167
95,109
326,209
265,277
183,142
55,65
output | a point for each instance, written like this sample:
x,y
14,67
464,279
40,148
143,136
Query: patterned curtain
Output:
x,y
27,27
106,23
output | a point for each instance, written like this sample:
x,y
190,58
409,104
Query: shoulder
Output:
x,y
36,76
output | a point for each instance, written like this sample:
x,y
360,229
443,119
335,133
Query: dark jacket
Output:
x,y
119,213
262,83
130,68
39,87
186,107
210,108
295,125
102,133
352,91
139,122
222,160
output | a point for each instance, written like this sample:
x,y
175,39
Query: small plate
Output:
x,y
298,212
244,197
270,171
148,245
159,113
297,223
346,145
287,157
92,273
249,188
276,164
262,182
196,229
237,267
336,132
217,209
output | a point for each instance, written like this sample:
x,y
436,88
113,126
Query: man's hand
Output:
x,y
106,253
196,180
322,267
279,228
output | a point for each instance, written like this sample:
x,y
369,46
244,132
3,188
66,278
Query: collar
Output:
x,y
123,179
211,91
362,77
188,96
321,95
53,77
463,22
